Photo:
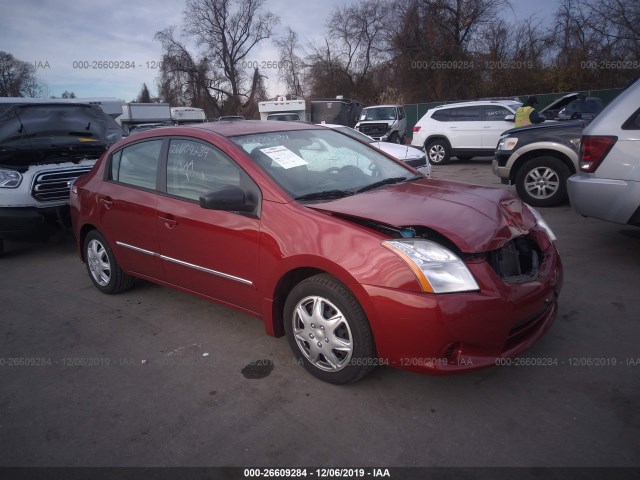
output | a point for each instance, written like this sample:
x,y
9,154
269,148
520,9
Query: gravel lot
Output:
x,y
124,380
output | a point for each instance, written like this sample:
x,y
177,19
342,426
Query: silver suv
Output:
x,y
608,184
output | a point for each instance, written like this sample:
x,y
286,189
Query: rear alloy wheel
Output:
x,y
438,152
328,330
542,182
104,271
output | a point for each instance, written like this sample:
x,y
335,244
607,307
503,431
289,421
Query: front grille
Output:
x,y
374,129
55,185
418,162
518,261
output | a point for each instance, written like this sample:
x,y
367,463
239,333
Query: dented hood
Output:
x,y
477,219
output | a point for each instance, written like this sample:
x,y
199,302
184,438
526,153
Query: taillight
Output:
x,y
593,149
416,128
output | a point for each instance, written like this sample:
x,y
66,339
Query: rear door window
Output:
x,y
494,113
137,165
468,114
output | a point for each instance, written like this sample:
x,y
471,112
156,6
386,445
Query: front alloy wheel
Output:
x,y
328,330
542,182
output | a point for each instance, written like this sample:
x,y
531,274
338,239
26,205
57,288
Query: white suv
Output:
x,y
608,184
463,130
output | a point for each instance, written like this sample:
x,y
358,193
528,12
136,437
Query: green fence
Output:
x,y
415,111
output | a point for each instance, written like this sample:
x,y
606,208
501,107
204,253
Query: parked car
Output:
x,y
385,123
230,118
538,159
44,147
359,259
463,130
410,155
607,185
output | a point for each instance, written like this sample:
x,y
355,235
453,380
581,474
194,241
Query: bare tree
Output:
x,y
354,48
292,66
18,78
225,32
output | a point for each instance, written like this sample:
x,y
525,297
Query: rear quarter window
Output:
x,y
633,122
442,115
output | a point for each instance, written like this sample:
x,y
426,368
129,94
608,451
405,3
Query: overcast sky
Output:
x,y
52,35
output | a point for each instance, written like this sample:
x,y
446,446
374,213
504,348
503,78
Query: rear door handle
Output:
x,y
107,202
169,221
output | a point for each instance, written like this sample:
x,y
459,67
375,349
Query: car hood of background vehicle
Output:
x,y
73,129
402,152
549,127
477,219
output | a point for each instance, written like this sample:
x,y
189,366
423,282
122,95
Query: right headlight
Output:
x,y
9,178
507,143
542,224
437,268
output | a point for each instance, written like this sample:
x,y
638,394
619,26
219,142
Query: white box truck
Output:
x,y
283,110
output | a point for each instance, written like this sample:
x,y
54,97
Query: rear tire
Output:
x,y
542,182
104,271
394,138
438,152
328,330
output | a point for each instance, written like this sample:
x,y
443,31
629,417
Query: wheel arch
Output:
x,y
273,306
565,155
82,235
437,136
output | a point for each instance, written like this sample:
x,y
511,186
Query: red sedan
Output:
x,y
358,258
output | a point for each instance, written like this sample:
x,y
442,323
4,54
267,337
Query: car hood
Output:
x,y
560,103
549,127
476,219
401,152
43,133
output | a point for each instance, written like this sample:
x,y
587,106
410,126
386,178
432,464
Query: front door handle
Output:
x,y
169,221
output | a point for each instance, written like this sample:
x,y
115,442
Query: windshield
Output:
x,y
355,134
284,117
378,113
321,163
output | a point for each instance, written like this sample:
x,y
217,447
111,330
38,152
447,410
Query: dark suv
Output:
x,y
538,159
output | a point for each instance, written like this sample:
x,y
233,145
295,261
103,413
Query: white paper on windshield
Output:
x,y
284,157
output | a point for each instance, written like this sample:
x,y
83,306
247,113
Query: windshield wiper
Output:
x,y
325,195
387,181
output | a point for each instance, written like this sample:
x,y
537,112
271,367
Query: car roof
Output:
x,y
378,106
472,103
246,127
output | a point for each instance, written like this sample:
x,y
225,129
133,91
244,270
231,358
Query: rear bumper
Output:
x,y
31,223
612,200
456,333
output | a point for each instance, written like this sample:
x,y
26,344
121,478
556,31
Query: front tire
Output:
x,y
438,152
104,271
328,330
542,182
394,138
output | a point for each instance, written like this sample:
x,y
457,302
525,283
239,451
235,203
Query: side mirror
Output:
x,y
228,199
510,118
